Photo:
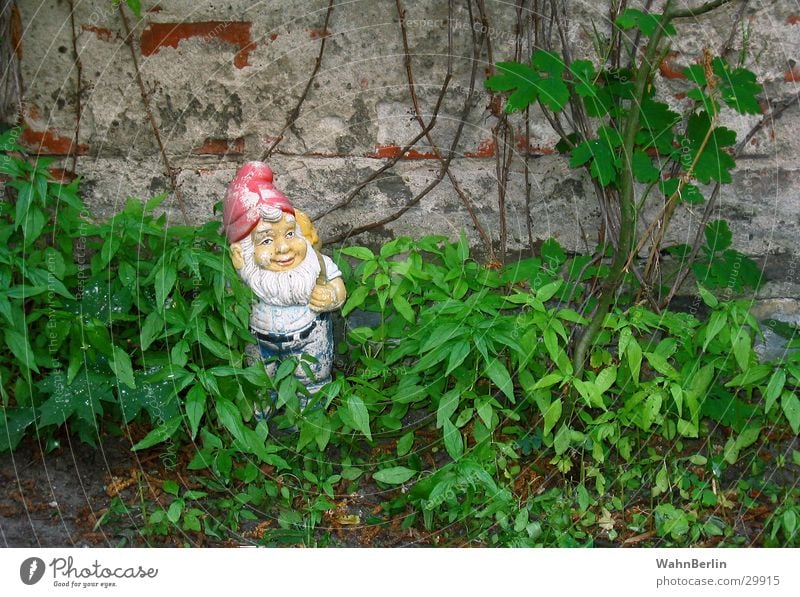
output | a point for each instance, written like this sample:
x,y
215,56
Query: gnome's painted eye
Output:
x,y
290,234
266,241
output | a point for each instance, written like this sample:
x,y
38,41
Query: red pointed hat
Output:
x,y
250,189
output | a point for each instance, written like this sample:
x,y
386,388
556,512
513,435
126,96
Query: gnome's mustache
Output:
x,y
281,289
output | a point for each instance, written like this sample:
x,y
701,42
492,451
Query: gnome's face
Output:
x,y
277,245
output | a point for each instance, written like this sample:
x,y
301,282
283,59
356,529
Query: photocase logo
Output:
x,y
31,571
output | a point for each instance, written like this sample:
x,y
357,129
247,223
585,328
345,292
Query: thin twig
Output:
x,y
779,107
78,85
434,148
442,171
682,13
392,161
295,113
526,156
146,102
728,45
502,128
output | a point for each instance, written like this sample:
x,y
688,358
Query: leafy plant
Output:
x,y
638,151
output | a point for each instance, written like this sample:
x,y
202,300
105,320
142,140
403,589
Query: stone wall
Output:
x,y
221,78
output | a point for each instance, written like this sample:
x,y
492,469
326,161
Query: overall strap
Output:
x,y
322,278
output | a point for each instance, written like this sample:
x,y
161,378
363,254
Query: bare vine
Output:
x,y
295,113
434,148
170,171
78,84
450,154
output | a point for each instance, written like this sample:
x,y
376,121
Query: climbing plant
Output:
x,y
613,121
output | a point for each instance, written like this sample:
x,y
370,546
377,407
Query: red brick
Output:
x,y
62,175
486,149
101,32
793,20
668,68
221,147
50,142
391,151
237,33
792,75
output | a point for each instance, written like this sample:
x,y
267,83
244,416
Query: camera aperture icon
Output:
x,y
31,570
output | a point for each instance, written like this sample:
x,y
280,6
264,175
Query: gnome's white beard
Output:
x,y
281,289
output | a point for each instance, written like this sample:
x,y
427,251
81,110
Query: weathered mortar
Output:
x,y
222,78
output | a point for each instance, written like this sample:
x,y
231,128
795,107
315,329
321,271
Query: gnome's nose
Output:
x,y
283,247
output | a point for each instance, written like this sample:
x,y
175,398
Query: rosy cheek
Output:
x,y
262,257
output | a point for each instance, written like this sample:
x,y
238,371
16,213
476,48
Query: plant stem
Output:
x,y
627,208
694,12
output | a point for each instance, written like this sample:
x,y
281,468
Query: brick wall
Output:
x,y
222,77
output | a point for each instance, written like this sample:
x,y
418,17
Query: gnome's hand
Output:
x,y
327,297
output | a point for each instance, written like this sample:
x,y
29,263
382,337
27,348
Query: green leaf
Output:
x,y
111,245
708,298
394,475
13,423
230,417
562,439
21,348
358,412
355,300
789,520
151,328
548,380
716,323
195,408
552,415
642,167
453,442
498,373
448,404
405,443
661,365
713,163
362,253
648,23
791,409
774,389
459,351
541,81
718,235
552,253
121,366
174,511
741,348
24,200
601,156
157,398
165,280
136,7
689,193
404,308
597,99
546,292
606,378
442,334
158,435
738,87
634,358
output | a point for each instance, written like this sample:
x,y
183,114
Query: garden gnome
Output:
x,y
273,248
